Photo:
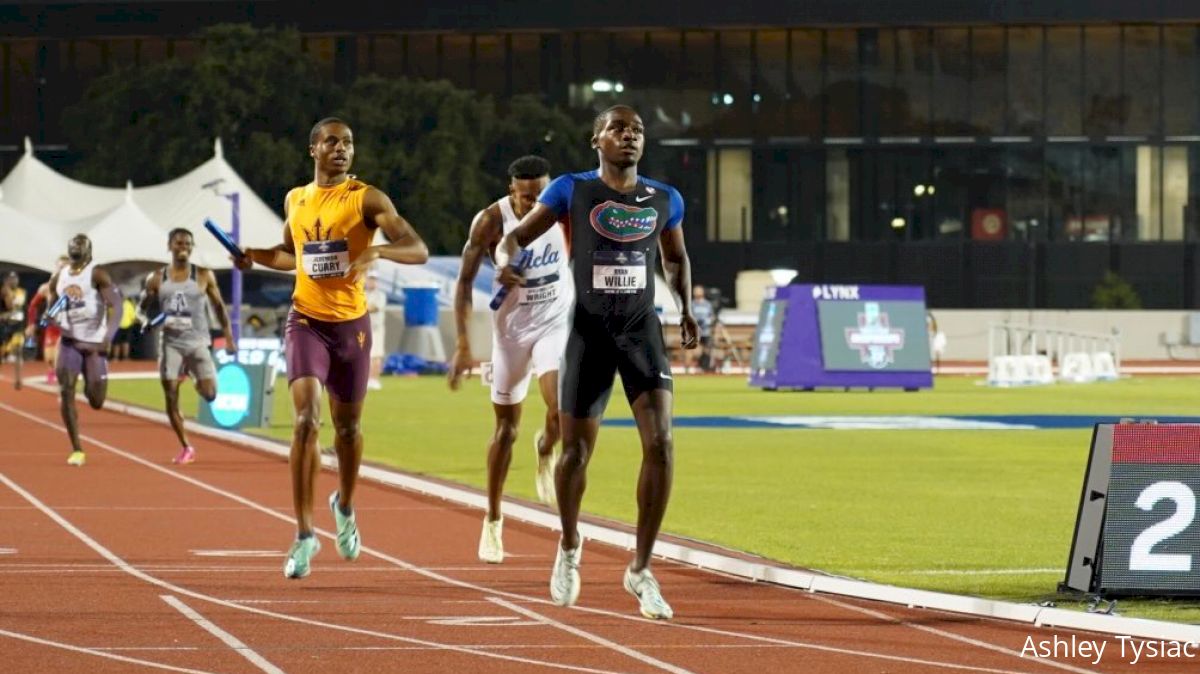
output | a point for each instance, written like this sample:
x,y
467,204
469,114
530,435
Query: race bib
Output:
x,y
178,322
77,311
539,290
326,259
618,271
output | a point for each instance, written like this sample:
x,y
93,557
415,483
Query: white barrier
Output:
x,y
1024,355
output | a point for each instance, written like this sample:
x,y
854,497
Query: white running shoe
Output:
x,y
544,478
564,580
491,541
299,557
644,586
349,542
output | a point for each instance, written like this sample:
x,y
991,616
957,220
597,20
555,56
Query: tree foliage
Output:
x,y
440,152
254,89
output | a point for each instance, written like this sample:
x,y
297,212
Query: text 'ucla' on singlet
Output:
x,y
85,318
329,232
546,296
614,239
185,310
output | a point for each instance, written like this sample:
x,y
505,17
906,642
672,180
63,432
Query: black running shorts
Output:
x,y
598,348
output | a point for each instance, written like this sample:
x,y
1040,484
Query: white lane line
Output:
x,y
879,615
145,577
97,653
596,639
226,638
237,553
468,585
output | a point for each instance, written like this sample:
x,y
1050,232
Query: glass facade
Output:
x,y
1041,134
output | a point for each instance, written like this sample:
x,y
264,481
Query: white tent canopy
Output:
x,y
35,189
29,241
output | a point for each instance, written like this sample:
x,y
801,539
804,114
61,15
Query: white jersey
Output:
x,y
85,318
544,302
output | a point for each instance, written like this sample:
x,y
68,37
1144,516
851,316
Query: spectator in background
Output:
x,y
376,308
706,316
255,327
121,341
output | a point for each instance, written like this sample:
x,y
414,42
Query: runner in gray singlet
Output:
x,y
183,293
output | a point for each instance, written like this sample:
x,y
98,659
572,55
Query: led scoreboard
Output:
x,y
1136,533
811,336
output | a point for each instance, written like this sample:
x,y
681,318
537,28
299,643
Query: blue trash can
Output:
x,y
420,304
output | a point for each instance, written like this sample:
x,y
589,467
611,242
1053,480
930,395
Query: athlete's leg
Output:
x,y
586,379
652,413
95,377
305,459
570,478
204,372
349,372
547,359
17,361
552,428
348,443
68,365
500,454
171,398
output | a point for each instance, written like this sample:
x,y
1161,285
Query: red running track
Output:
x,y
131,564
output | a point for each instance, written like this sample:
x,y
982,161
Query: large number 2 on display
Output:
x,y
1140,556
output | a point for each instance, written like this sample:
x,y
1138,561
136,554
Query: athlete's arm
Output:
x,y
218,304
45,294
112,297
485,233
404,244
536,222
281,257
677,267
150,293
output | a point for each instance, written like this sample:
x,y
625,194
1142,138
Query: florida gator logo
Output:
x,y
621,222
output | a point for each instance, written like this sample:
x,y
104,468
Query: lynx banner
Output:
x,y
842,336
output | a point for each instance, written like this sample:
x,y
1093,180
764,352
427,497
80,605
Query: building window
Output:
x,y
1025,85
491,74
1105,109
729,195
1181,74
988,76
526,55
1140,78
1064,81
842,82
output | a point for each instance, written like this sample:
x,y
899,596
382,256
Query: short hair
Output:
x,y
312,135
529,166
180,230
602,118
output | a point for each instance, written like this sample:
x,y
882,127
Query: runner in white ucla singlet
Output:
x,y
529,333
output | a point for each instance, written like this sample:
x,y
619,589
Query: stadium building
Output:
x,y
1001,153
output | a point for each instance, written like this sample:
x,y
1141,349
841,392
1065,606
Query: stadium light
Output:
x,y
898,222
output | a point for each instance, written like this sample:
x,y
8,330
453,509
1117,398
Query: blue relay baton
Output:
x,y
223,238
521,260
154,322
54,310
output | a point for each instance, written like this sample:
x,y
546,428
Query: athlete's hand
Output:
x,y
245,262
689,331
508,278
30,330
362,264
230,345
460,366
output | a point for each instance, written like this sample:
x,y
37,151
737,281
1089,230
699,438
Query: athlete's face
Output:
x,y
10,280
79,249
621,139
524,193
181,246
334,149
